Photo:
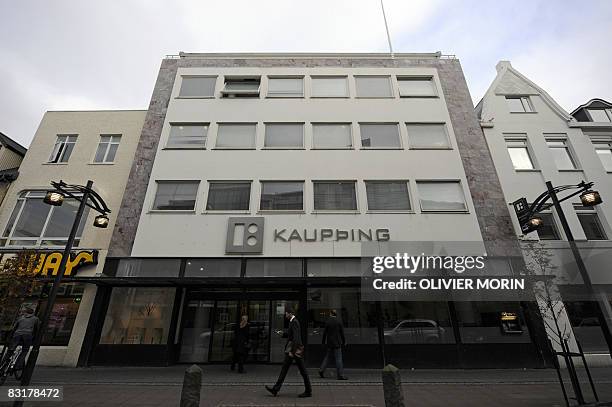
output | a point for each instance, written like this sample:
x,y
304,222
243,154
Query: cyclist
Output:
x,y
23,333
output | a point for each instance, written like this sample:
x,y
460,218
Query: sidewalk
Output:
x,y
155,386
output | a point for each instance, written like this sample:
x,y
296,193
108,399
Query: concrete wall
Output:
x,y
109,182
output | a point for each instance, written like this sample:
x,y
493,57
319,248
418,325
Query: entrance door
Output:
x,y
224,325
196,331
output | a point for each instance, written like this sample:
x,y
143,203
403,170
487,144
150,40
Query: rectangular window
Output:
x,y
427,136
236,135
329,86
285,87
380,135
107,148
388,195
187,135
228,196
600,115
589,220
62,149
34,223
273,268
416,86
284,135
213,268
176,195
441,196
561,154
548,230
519,154
334,196
373,86
138,316
282,195
332,135
604,151
241,87
197,86
519,104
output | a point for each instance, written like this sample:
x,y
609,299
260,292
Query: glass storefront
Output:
x,y
417,323
138,315
491,322
585,324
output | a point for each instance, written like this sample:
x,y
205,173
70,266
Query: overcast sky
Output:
x,y
77,55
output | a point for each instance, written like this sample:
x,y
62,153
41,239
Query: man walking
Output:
x,y
294,351
333,337
23,332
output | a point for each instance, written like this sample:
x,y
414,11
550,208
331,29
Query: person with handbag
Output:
x,y
241,344
294,351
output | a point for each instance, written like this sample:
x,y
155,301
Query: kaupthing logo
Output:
x,y
244,235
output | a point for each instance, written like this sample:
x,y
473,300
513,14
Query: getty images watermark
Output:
x,y
441,271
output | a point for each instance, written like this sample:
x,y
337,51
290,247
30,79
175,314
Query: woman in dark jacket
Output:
x,y
241,344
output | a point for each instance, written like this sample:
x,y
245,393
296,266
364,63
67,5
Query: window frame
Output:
x,y
583,211
61,149
554,226
301,124
104,162
211,182
399,136
255,125
22,198
214,92
525,102
324,124
313,78
509,138
442,181
172,181
261,190
449,144
389,181
551,138
389,82
417,78
207,125
603,145
241,94
342,181
606,111
284,96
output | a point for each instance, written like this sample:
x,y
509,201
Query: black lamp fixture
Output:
x,y
54,198
590,198
101,221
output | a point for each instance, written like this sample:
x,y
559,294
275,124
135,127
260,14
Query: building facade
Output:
x,y
256,180
11,155
533,140
73,146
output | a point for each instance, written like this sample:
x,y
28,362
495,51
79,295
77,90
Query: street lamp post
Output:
x,y
529,222
87,197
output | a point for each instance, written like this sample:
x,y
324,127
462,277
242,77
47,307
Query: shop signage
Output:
x,y
331,235
49,262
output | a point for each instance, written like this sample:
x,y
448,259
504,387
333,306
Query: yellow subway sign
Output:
x,y
48,264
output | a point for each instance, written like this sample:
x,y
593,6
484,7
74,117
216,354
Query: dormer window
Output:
x,y
600,115
241,87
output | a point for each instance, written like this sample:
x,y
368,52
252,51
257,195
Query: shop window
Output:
x,y
334,267
416,322
213,268
585,324
148,268
138,316
35,223
274,268
491,322
358,317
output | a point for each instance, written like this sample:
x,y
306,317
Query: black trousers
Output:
x,y
283,373
240,358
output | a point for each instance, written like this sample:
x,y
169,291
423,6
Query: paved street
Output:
x,y
132,386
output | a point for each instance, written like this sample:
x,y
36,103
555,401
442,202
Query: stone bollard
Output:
x,y
192,384
392,387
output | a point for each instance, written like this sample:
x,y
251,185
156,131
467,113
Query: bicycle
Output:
x,y
7,367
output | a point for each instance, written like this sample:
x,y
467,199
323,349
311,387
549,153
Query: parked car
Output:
x,y
415,331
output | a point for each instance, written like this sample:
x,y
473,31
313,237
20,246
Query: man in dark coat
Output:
x,y
333,337
294,351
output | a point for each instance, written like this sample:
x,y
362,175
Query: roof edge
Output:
x,y
586,105
297,55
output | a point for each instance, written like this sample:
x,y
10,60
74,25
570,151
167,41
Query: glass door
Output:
x,y
196,331
259,335
279,325
224,325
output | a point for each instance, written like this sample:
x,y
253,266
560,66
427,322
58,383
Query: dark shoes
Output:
x,y
272,390
321,374
304,395
342,378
